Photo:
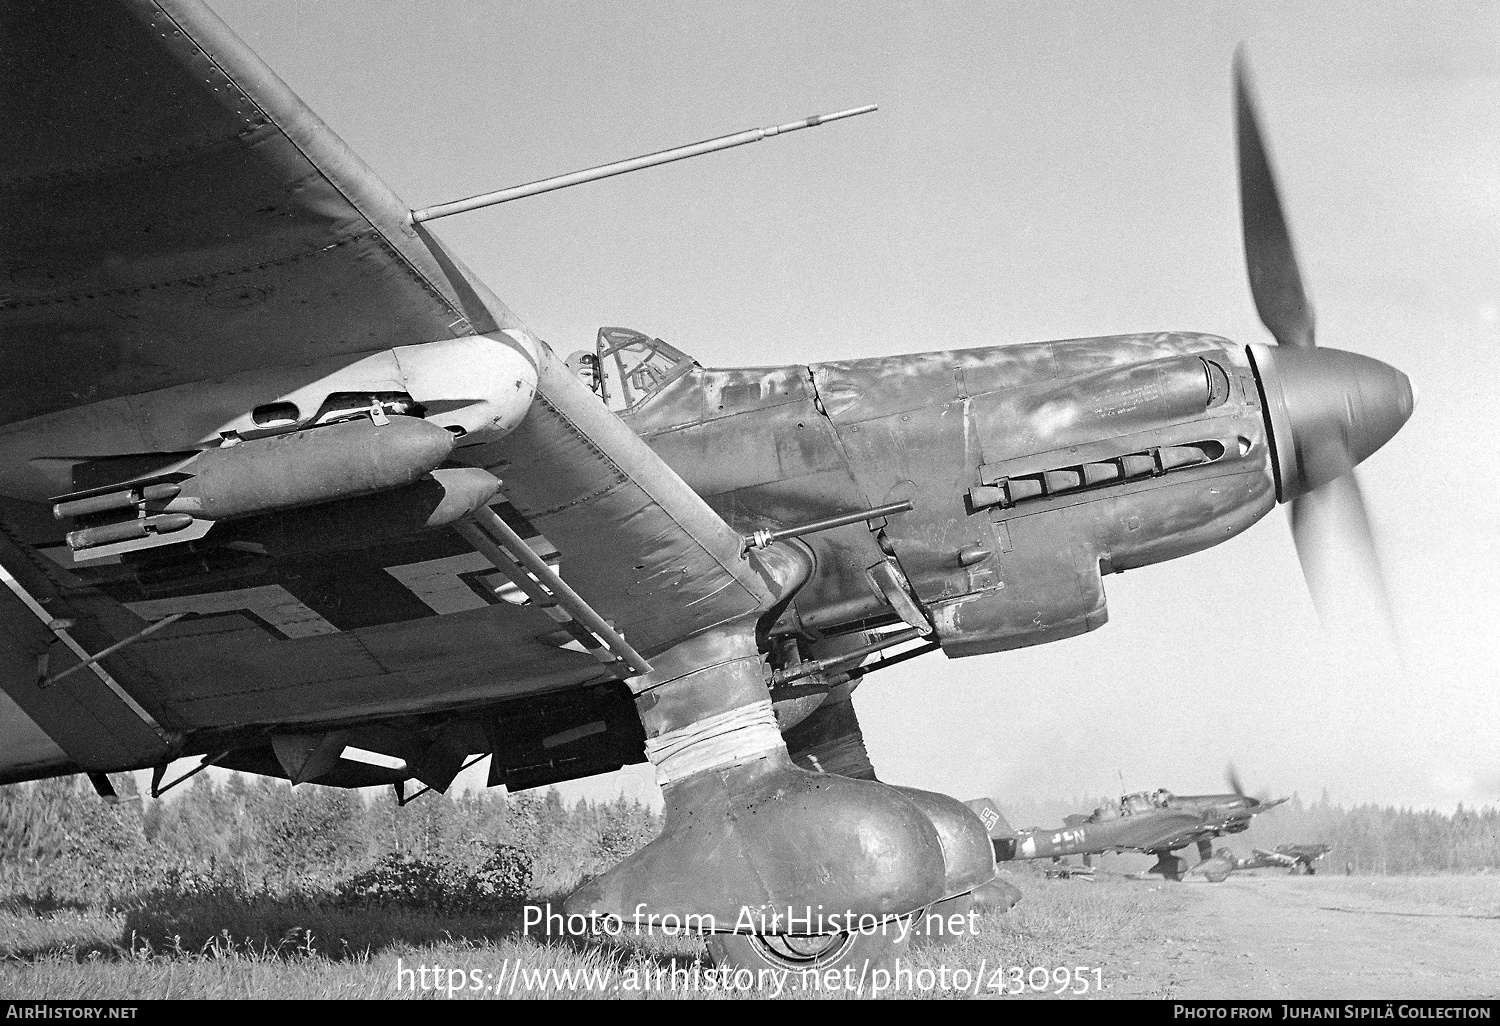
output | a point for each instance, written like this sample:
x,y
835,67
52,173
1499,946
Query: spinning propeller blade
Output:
x,y
1275,281
1235,784
1335,408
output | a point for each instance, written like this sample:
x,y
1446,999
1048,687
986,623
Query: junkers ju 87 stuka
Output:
x,y
1155,822
1298,858
287,488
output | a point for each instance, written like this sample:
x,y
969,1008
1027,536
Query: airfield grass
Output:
x,y
214,947
209,946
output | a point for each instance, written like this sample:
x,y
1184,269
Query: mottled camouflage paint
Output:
x,y
809,442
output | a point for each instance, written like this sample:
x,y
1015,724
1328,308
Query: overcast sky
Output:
x,y
1036,171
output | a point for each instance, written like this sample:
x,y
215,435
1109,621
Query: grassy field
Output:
x,y
1116,937
253,888
1427,895
225,947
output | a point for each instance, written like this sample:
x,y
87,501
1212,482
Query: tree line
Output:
x,y
256,834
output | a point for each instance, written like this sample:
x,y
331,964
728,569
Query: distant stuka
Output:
x,y
1157,822
1296,857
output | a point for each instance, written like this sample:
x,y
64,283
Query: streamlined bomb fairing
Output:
x,y
1155,822
284,486
1217,867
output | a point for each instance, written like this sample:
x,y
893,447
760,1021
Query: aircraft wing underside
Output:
x,y
172,211
173,214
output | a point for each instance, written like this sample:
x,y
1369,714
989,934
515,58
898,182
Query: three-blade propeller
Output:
x,y
1262,801
1341,406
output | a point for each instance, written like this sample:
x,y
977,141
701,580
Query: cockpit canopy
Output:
x,y
635,367
1130,804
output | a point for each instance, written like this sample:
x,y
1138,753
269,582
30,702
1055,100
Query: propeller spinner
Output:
x,y
1328,409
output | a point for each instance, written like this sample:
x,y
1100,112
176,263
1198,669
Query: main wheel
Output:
x,y
808,953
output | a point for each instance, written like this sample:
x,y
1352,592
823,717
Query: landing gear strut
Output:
x,y
753,843
1169,866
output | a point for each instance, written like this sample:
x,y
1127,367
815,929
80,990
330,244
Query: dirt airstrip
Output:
x,y
1324,937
